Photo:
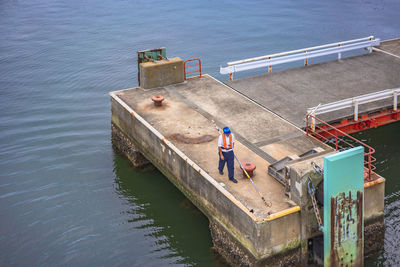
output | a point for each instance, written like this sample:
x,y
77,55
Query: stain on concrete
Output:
x,y
151,106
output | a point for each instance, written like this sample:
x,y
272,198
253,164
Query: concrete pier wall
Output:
x,y
374,205
233,226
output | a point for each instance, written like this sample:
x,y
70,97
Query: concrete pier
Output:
x,y
267,112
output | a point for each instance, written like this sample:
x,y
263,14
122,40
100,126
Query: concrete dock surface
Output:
x,y
289,93
189,118
390,46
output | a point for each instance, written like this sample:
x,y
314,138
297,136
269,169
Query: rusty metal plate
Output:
x,y
344,208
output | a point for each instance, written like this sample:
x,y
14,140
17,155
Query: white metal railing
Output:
x,y
355,102
300,54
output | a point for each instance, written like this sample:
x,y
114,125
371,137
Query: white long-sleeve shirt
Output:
x,y
221,142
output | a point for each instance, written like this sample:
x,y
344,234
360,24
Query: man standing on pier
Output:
x,y
225,149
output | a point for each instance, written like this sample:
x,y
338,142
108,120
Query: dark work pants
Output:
x,y
229,159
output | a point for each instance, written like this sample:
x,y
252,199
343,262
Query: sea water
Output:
x,y
66,198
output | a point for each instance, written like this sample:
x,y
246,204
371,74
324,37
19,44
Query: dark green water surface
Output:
x,y
66,199
385,140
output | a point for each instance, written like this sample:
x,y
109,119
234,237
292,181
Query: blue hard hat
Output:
x,y
226,130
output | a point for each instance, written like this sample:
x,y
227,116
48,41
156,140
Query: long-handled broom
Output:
x,y
268,204
255,187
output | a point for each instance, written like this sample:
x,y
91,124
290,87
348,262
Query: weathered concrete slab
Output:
x,y
290,92
391,46
180,123
253,125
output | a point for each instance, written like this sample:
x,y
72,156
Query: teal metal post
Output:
x,y
344,208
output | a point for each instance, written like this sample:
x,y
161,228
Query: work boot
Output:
x,y
233,180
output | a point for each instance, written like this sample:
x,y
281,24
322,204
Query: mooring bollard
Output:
x,y
157,99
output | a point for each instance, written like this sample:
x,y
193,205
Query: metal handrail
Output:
x,y
300,54
328,133
356,101
190,66
299,50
